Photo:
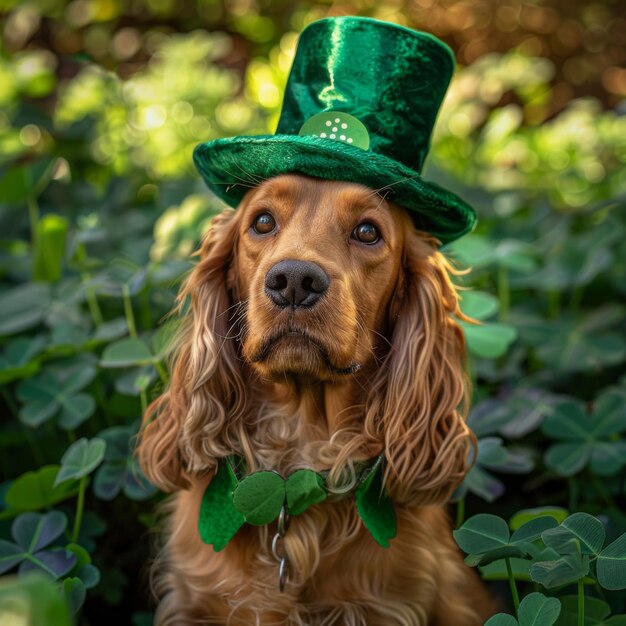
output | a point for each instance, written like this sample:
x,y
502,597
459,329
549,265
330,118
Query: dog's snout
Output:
x,y
296,283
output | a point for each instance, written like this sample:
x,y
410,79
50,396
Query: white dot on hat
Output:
x,y
349,139
323,135
336,120
335,129
328,123
342,137
344,125
333,136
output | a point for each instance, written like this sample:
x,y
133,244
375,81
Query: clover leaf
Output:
x,y
566,569
50,394
81,458
121,276
478,251
259,497
303,489
492,455
587,439
488,340
596,612
37,490
576,542
486,538
82,576
33,534
135,380
120,471
526,515
19,358
502,619
611,565
588,530
572,343
74,592
535,609
126,353
23,307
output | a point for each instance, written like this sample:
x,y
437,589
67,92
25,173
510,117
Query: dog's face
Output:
x,y
317,263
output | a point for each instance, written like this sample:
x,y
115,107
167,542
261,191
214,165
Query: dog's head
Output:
x,y
318,282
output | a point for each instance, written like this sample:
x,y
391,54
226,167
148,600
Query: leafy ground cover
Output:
x,y
100,209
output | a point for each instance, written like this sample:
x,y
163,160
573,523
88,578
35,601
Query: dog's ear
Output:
x,y
420,399
184,431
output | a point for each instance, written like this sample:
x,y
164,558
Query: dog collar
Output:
x,y
233,499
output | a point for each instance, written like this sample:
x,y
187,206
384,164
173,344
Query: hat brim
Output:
x,y
231,166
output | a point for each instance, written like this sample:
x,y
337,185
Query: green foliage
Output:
x,y
596,612
80,459
557,554
588,439
37,490
100,210
534,610
489,340
32,600
32,535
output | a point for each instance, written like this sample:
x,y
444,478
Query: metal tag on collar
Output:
x,y
338,126
278,547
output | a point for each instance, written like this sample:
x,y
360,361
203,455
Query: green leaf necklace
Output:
x,y
233,499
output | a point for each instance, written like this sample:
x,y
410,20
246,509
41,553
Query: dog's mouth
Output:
x,y
272,342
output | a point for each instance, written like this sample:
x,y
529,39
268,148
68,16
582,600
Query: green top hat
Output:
x,y
360,105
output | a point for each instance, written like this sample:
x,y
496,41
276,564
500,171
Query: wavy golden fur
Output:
x,y
375,365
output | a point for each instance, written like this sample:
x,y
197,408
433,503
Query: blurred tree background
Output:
x,y
101,104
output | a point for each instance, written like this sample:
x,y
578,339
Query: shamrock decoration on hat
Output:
x,y
359,106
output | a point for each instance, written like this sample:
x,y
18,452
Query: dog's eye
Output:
x,y
366,233
264,224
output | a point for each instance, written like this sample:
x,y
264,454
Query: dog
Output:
x,y
318,331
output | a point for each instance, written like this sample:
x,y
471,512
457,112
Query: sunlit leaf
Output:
x,y
126,353
33,600
49,252
523,517
81,458
490,340
479,304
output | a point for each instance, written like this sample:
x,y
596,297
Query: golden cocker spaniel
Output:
x,y
318,333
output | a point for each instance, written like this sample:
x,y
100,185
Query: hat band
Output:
x,y
338,126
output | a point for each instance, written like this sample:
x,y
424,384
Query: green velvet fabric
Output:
x,y
232,499
219,521
393,80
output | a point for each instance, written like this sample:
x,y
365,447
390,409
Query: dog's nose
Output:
x,y
296,283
